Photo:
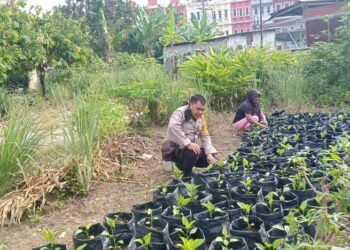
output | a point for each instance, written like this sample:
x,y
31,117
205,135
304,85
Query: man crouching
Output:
x,y
186,125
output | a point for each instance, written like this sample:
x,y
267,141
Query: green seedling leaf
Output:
x,y
147,239
79,231
82,247
279,227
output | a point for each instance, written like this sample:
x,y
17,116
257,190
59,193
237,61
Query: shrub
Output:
x,y
21,139
227,75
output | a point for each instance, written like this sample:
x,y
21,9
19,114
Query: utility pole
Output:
x,y
261,27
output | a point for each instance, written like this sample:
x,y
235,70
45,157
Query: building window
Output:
x,y
226,33
198,15
278,6
236,31
256,10
219,14
247,11
214,15
242,31
240,12
286,5
225,14
193,15
234,12
247,30
269,9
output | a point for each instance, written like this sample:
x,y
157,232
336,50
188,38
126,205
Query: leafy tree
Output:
x,y
108,22
64,42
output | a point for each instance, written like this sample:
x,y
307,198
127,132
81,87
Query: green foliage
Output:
x,y
326,67
228,75
107,22
145,241
50,236
81,134
211,209
21,140
38,41
190,244
287,89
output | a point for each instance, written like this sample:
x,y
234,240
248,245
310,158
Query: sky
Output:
x,y
48,4
45,4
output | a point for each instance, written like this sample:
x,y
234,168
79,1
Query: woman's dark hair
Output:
x,y
198,98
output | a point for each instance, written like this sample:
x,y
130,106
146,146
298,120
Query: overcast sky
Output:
x,y
48,4
45,4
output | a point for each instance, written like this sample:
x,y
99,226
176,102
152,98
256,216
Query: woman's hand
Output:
x,y
211,159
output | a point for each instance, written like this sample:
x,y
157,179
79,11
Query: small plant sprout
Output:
x,y
182,201
50,236
145,241
323,134
211,209
189,228
190,244
150,213
178,173
164,189
85,231
116,243
270,246
247,184
192,191
270,199
246,208
247,165
226,239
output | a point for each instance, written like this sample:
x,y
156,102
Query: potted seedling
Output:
x,y
90,235
173,215
267,181
190,244
227,242
151,224
117,229
247,227
217,188
50,236
143,243
140,211
246,192
211,221
182,236
196,197
164,194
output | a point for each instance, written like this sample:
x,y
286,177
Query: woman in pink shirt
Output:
x,y
249,113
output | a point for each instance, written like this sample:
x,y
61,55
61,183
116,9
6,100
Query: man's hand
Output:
x,y
194,147
211,159
264,122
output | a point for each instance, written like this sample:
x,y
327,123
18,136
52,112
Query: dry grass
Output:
x,y
30,194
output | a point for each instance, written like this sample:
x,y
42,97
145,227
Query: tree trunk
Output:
x,y
41,75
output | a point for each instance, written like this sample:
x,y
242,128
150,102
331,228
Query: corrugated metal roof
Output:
x,y
322,10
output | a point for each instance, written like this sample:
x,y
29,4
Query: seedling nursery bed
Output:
x,y
285,187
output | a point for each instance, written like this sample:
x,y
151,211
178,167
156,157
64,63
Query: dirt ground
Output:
x,y
139,179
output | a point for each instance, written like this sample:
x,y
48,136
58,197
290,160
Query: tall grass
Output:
x,y
287,89
81,140
20,140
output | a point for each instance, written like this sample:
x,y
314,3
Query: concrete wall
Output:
x,y
173,56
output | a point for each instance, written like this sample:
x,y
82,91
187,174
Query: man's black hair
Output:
x,y
198,98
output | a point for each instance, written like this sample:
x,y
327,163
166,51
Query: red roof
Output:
x,y
322,10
